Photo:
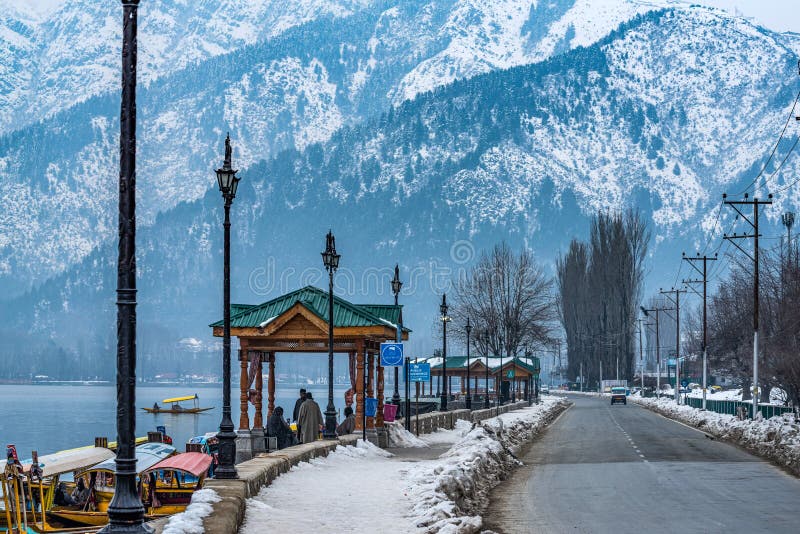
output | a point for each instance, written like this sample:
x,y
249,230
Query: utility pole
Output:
x,y
677,302
647,313
641,349
755,203
704,281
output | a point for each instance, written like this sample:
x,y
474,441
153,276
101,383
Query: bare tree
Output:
x,y
508,299
600,287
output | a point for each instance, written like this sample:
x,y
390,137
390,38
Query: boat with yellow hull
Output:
x,y
29,489
175,406
101,481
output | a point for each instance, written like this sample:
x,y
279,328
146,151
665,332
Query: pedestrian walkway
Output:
x,y
361,489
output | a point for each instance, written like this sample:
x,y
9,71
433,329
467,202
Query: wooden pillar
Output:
x,y
258,418
380,381
370,384
244,419
271,385
360,385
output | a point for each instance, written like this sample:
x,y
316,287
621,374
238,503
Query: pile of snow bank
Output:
x,y
777,438
190,521
449,494
400,437
446,436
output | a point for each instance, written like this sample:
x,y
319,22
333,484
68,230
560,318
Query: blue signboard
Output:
x,y
419,372
392,354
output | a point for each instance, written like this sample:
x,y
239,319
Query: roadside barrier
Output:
x,y
730,407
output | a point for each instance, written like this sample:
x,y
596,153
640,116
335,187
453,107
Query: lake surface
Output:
x,y
53,418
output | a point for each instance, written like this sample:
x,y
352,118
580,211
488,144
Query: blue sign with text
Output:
x,y
391,354
419,372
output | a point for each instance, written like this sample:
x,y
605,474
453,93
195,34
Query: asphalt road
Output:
x,y
621,469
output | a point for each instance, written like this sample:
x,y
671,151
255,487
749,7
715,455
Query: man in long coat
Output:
x,y
309,419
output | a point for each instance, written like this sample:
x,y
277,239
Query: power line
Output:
x,y
775,148
781,190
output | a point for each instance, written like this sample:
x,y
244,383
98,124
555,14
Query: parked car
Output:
x,y
545,389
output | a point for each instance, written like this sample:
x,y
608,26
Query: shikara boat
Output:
x,y
29,489
169,485
175,406
101,484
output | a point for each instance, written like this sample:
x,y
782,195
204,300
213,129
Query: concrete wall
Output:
x,y
228,514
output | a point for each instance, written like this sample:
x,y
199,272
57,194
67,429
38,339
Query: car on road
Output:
x,y
545,389
619,394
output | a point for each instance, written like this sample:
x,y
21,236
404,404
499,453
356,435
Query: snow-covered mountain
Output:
x,y
72,53
295,86
667,112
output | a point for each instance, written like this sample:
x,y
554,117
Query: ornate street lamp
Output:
x,y
486,398
331,261
228,184
468,328
396,286
445,319
125,512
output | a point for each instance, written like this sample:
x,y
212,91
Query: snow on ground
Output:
x,y
190,521
400,437
777,438
366,489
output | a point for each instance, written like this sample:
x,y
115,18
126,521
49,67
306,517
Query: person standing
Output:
x,y
296,413
309,420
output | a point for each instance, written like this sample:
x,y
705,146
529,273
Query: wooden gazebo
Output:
x,y
519,372
297,322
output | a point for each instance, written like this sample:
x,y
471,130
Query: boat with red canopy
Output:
x,y
169,485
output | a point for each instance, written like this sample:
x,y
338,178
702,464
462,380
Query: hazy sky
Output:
x,y
780,15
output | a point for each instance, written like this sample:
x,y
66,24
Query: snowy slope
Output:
x,y
295,88
72,53
641,118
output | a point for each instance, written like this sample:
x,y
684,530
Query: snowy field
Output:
x,y
436,483
776,438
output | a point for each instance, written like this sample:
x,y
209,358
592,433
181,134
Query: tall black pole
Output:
x,y
396,285
443,309
331,261
469,396
226,435
126,512
486,397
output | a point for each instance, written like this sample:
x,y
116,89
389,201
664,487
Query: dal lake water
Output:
x,y
49,418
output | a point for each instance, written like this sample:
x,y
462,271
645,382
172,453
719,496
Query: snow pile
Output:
x,y
449,494
444,436
400,437
190,521
777,438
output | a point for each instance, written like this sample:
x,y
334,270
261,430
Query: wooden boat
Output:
x,y
102,481
101,484
176,407
29,489
170,484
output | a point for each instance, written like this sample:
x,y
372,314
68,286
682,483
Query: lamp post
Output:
x,y
228,184
125,512
396,286
486,397
331,260
468,328
445,319
500,396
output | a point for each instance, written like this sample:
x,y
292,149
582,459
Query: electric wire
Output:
x,y
775,148
781,190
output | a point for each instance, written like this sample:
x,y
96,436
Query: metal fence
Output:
x,y
731,407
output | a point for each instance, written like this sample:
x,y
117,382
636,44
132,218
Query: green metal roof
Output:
x,y
455,362
345,314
